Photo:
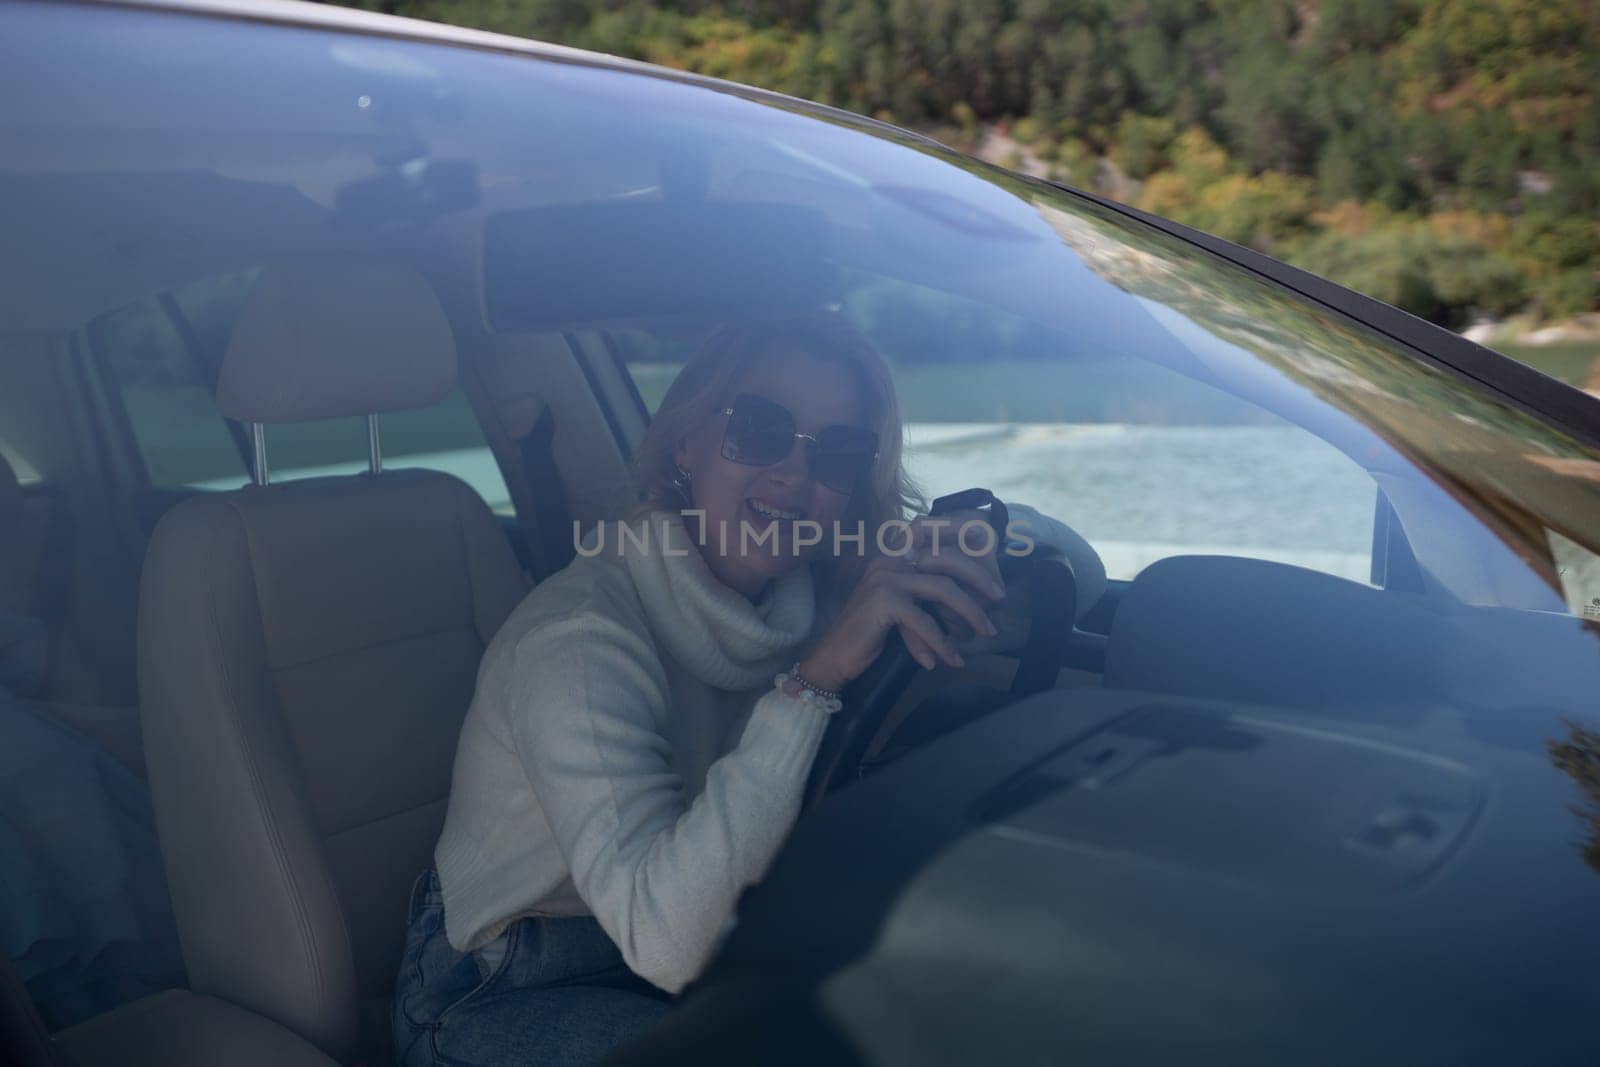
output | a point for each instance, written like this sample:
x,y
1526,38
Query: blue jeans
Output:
x,y
560,995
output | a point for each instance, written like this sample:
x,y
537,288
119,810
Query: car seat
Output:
x,y
307,652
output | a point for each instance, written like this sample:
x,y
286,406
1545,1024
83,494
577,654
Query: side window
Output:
x,y
163,354
655,355
1144,462
167,394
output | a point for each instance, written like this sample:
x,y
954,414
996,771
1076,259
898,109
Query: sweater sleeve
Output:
x,y
660,874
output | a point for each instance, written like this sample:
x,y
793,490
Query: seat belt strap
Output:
x,y
554,517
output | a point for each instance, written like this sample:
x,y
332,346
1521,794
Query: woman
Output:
x,y
645,720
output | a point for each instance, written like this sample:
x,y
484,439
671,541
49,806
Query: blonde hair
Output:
x,y
703,388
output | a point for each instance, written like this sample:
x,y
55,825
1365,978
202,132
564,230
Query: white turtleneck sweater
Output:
x,y
627,754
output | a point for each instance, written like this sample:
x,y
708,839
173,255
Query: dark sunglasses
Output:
x,y
761,433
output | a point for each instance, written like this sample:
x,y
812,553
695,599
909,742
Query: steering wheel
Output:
x,y
868,700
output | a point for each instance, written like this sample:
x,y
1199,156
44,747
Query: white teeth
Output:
x,y
768,511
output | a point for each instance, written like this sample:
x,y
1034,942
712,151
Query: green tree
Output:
x,y
1303,121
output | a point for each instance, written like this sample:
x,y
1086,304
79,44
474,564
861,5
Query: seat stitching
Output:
x,y
401,481
269,818
384,818
386,642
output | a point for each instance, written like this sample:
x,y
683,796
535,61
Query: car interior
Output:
x,y
269,618
286,664
317,639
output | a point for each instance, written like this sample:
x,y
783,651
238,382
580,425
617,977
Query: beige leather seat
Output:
x,y
180,1029
171,1029
306,654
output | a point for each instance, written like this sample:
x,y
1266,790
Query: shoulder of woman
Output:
x,y
593,596
577,649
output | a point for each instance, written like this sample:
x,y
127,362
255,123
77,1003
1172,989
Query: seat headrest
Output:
x,y
1229,628
324,338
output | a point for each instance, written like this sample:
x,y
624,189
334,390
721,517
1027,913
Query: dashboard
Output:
x,y
1127,876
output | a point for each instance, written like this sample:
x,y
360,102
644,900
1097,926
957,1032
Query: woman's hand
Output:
x,y
940,546
938,570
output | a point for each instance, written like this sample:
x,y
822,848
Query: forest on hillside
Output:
x,y
1442,155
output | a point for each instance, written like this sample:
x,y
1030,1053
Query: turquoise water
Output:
x,y
1140,493
1137,493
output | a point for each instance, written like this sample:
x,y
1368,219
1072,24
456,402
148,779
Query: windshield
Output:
x,y
1161,400
1383,574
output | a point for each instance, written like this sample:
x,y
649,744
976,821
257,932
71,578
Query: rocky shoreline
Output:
x,y
1522,339
1580,329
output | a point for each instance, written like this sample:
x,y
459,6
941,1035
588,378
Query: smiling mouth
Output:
x,y
768,511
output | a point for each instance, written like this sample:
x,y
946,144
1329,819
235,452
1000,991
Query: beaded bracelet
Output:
x,y
825,694
825,699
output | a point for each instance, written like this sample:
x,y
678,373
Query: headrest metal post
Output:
x,y
258,444
374,447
